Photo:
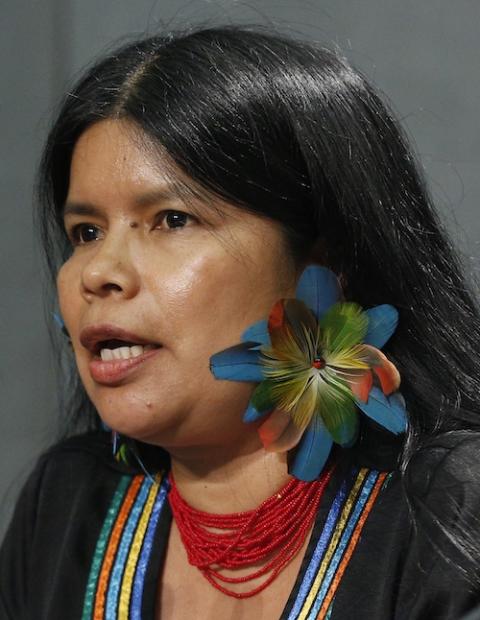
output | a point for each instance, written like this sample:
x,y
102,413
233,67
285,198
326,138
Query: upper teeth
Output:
x,y
124,353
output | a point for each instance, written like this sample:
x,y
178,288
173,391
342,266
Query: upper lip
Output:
x,y
93,335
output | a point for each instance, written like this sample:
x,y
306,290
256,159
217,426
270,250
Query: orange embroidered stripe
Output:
x,y
347,515
117,530
135,547
102,543
351,547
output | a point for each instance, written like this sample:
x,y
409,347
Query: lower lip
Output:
x,y
113,371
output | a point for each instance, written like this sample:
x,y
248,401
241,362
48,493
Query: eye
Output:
x,y
84,233
172,219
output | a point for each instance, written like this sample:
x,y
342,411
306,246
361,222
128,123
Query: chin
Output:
x,y
139,418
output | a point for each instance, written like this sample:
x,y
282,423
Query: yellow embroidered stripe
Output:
x,y
336,544
351,547
131,564
341,523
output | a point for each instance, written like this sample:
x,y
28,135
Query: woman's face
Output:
x,y
173,286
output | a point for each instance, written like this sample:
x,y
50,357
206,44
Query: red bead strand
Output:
x,y
273,533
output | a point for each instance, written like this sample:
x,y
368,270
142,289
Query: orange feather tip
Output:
x,y
276,316
273,427
361,387
389,378
384,369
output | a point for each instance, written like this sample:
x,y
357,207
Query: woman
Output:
x,y
190,184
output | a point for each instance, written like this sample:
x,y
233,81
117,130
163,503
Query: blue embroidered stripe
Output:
x,y
312,569
350,526
139,579
123,549
102,545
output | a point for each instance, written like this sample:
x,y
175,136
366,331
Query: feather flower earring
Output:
x,y
317,362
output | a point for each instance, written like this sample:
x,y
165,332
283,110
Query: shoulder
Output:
x,y
47,551
74,469
434,504
94,445
443,486
71,479
79,454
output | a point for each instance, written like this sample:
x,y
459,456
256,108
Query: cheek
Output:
x,y
208,304
195,302
68,295
64,288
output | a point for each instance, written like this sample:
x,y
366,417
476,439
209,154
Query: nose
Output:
x,y
111,270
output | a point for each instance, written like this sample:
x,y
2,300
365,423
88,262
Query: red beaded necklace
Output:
x,y
270,535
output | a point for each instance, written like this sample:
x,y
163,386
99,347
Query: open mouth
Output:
x,y
108,350
114,360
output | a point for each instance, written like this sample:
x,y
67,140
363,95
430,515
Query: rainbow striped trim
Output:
x,y
336,545
117,574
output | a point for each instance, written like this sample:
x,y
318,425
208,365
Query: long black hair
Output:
x,y
291,131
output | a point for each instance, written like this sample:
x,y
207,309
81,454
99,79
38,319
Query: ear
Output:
x,y
318,253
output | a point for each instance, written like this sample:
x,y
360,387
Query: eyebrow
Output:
x,y
141,202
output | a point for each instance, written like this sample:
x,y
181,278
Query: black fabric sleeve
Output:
x,y
14,551
441,577
418,555
46,555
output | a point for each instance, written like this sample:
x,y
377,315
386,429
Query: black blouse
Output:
x,y
89,535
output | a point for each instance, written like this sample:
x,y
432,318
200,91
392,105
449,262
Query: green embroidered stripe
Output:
x,y
102,545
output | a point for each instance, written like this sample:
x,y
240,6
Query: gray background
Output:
x,y
423,55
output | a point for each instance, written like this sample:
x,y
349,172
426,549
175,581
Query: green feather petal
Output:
x,y
306,404
262,398
343,326
336,406
286,348
300,320
287,393
353,358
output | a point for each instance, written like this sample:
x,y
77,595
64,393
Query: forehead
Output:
x,y
113,152
115,165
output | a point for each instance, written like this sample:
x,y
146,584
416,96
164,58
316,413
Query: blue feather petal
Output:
x,y
382,322
58,319
319,288
388,411
258,332
237,363
312,452
252,414
348,434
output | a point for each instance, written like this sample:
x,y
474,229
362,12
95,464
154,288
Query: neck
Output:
x,y
219,480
